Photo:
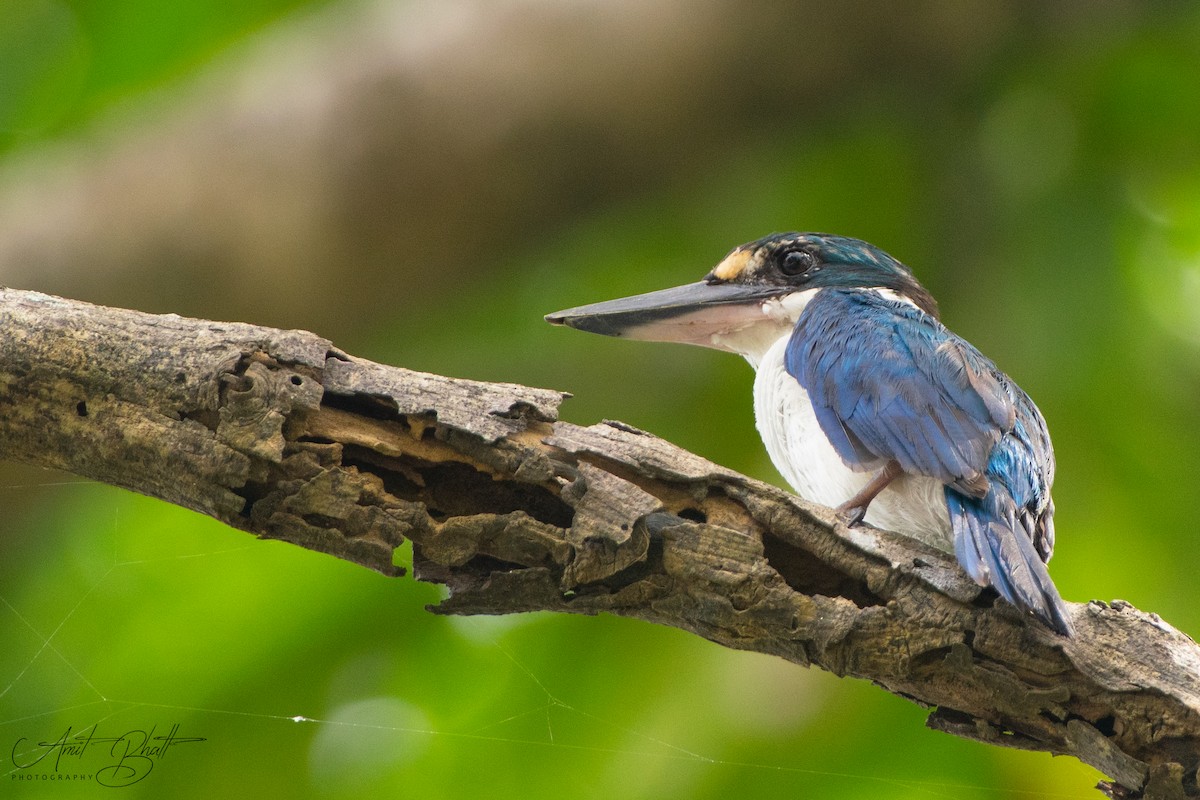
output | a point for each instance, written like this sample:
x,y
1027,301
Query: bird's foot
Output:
x,y
851,513
853,510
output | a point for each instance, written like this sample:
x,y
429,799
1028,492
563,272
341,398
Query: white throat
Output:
x,y
753,340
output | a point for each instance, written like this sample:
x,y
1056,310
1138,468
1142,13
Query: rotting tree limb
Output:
x,y
281,434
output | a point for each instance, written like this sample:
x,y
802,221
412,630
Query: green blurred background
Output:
x,y
422,181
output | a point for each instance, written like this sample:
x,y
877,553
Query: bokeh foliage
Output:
x,y
1052,204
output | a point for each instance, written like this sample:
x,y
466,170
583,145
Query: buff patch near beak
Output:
x,y
733,265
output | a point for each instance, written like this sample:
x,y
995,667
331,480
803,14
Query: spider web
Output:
x,y
264,666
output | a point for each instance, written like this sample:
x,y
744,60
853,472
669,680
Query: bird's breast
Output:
x,y
912,505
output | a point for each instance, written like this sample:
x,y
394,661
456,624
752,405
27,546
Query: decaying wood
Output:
x,y
281,434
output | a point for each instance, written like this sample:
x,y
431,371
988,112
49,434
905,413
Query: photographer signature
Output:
x,y
131,755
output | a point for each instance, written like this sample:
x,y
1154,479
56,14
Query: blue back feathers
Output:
x,y
888,382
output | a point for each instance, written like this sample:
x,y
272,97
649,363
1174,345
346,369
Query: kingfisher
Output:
x,y
868,404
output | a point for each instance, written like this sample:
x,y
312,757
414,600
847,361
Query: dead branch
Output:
x,y
281,434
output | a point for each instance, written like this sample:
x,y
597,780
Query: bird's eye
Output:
x,y
796,262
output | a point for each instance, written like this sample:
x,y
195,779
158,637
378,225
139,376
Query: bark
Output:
x,y
281,434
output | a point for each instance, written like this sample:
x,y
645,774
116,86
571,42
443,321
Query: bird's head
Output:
x,y
754,295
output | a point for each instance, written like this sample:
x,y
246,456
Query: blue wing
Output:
x,y
1004,538
888,382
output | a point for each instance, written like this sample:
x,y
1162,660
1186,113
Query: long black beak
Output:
x,y
693,313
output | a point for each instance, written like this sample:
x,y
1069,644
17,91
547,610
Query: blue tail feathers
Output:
x,y
994,543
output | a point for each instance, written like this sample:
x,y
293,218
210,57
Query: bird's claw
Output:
x,y
851,515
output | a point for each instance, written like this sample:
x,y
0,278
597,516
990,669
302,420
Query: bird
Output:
x,y
868,404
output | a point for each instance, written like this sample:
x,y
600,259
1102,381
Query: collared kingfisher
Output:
x,y
868,404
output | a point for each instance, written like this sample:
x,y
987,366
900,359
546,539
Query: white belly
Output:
x,y
912,505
